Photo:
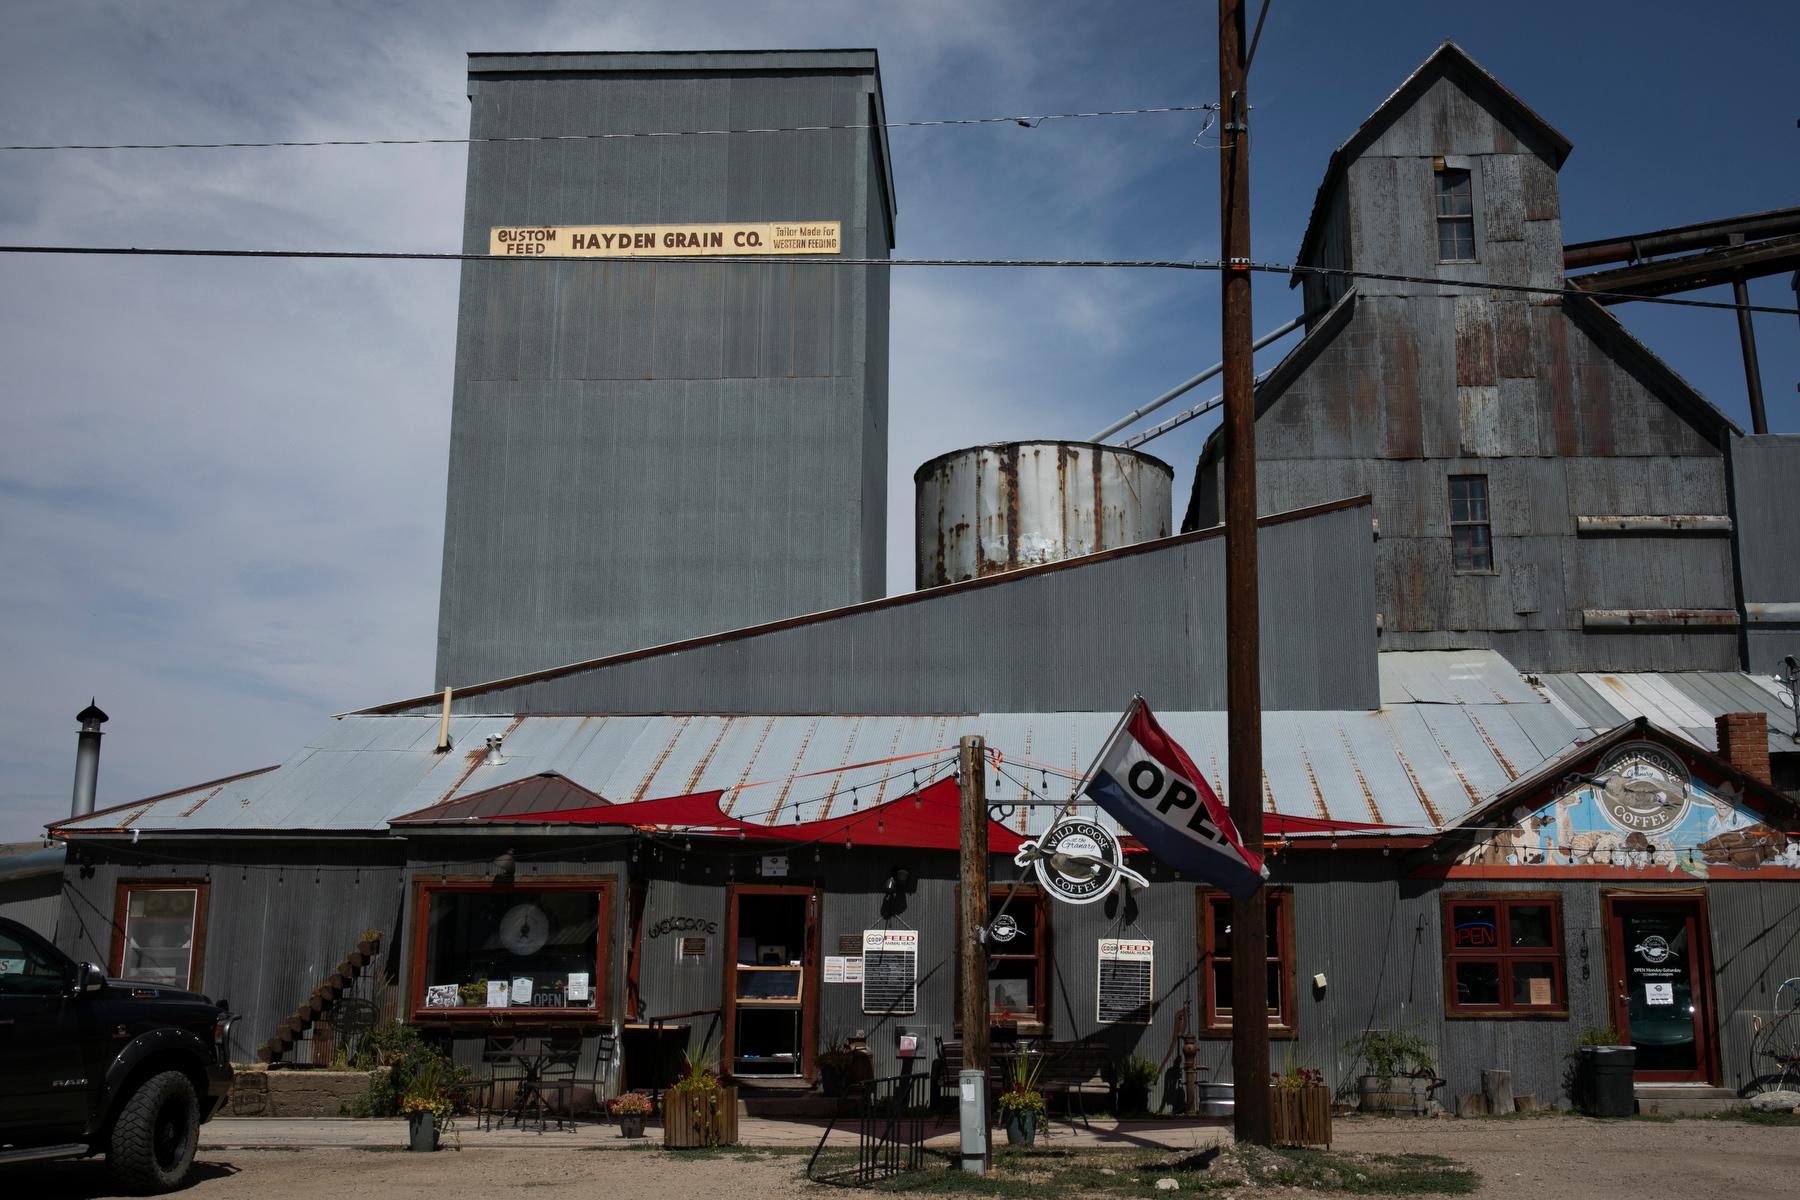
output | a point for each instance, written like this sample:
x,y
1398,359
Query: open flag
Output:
x,y
1149,785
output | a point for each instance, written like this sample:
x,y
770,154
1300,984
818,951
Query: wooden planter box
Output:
x,y
1300,1116
688,1124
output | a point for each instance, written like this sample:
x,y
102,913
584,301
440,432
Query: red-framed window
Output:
x,y
159,932
1503,956
1018,965
546,941
1216,965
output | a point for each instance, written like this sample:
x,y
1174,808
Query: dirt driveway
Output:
x,y
1577,1158
1556,1158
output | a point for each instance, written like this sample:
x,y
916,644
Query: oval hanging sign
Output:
x,y
1078,861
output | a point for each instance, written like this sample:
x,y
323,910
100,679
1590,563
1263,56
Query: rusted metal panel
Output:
x,y
1020,504
1543,254
1656,618
1513,357
1538,189
1668,523
1479,409
1516,417
1474,342
1504,201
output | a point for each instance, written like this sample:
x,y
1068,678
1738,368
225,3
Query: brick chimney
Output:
x,y
1744,742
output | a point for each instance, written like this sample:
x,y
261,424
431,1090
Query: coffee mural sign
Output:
x,y
1640,811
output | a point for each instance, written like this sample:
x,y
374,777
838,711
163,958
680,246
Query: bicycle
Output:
x,y
1776,1043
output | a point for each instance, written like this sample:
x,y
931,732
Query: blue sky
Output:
x,y
221,489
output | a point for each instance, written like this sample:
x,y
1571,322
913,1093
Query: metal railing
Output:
x,y
890,1131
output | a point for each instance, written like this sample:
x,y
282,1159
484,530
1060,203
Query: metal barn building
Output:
x,y
1522,776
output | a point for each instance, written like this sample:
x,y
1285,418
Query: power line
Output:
x,y
1029,122
1153,264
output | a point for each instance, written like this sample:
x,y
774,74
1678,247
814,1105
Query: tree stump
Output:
x,y
1525,1103
1471,1104
1496,1086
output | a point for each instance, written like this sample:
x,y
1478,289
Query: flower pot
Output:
x,y
631,1125
1403,1094
423,1131
1300,1116
1134,1098
832,1080
367,948
1021,1127
692,1119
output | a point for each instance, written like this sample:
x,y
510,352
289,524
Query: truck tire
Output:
x,y
153,1139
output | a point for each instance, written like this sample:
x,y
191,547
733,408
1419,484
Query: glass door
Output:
x,y
1662,986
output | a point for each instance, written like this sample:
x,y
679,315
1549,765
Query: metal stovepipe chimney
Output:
x,y
87,759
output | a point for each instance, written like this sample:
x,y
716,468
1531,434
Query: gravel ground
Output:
x,y
1576,1158
1552,1158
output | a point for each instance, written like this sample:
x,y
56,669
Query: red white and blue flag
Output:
x,y
1151,787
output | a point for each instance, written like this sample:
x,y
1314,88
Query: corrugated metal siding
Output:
x,y
1081,636
279,919
1565,416
622,430
33,903
1763,471
1684,702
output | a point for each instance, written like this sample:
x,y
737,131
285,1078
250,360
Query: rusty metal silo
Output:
x,y
1006,505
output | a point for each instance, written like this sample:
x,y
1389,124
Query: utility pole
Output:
x,y
972,953
1243,658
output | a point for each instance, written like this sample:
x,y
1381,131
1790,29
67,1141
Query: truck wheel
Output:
x,y
153,1139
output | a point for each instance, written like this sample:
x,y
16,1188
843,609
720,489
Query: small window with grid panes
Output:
x,y
1471,536
1455,216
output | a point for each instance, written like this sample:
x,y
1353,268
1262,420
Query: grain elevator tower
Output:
x,y
645,451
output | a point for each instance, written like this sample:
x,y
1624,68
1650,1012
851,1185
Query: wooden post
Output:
x,y
1496,1089
972,954
1243,638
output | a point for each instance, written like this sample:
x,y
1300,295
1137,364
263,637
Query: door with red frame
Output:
x,y
1661,970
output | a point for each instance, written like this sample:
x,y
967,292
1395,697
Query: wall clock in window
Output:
x,y
524,929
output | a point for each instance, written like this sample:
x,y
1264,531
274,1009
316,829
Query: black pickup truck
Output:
x,y
91,1065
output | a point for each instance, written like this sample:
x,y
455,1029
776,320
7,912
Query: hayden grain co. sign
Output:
x,y
666,241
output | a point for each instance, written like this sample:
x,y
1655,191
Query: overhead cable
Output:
x,y
1028,122
1152,264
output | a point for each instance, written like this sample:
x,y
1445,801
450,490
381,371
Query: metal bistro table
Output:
x,y
534,1090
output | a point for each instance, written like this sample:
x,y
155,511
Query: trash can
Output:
x,y
1605,1088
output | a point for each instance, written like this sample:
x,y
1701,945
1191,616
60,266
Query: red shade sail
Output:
x,y
929,819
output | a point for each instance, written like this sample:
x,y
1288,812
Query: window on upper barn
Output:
x,y
1471,537
1455,216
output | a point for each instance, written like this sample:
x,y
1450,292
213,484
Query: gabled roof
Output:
x,y
1535,788
1593,319
545,792
1448,59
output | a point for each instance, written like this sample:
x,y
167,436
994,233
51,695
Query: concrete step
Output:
x,y
1684,1099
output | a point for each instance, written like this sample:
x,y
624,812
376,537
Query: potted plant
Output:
x,y
834,1066
473,995
1137,1075
1021,1104
632,1109
368,943
698,1110
428,1105
1299,1108
1401,1070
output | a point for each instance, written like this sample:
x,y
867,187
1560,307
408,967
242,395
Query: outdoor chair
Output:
x,y
562,1078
